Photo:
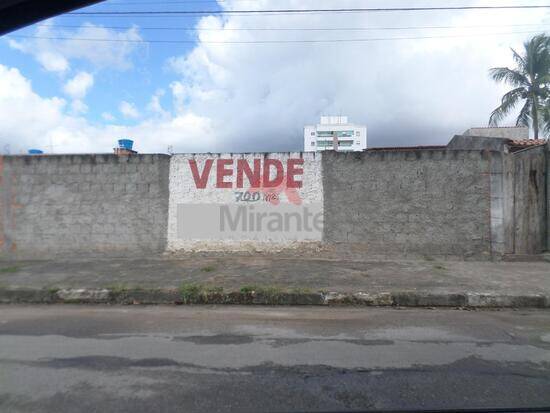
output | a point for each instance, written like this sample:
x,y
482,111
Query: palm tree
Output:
x,y
530,80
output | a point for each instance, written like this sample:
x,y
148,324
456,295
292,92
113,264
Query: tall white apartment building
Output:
x,y
335,133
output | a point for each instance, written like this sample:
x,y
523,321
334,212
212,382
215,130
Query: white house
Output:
x,y
335,133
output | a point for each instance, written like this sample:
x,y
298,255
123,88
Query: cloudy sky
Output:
x,y
414,78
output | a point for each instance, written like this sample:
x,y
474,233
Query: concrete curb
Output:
x,y
175,296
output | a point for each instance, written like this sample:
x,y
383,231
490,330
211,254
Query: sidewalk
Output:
x,y
282,278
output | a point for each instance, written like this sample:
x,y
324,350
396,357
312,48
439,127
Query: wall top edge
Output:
x,y
369,152
307,153
83,155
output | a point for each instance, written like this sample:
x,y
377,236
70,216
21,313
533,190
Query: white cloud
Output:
x,y
113,51
108,116
78,107
51,122
79,85
128,110
245,97
23,128
155,105
418,91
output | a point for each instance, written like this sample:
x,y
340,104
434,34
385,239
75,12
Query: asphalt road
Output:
x,y
209,359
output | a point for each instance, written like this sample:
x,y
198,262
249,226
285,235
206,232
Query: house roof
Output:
x,y
519,144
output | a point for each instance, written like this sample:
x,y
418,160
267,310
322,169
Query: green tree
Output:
x,y
530,79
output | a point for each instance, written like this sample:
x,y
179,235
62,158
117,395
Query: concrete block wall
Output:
x,y
454,203
61,205
423,202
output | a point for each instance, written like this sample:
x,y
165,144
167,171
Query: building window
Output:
x,y
312,133
324,144
358,142
324,133
340,134
357,133
312,143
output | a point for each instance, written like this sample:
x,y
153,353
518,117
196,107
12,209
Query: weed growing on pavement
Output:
x,y
213,290
247,289
267,290
193,293
118,287
190,292
7,270
300,290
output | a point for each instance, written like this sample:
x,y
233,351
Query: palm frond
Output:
x,y
524,118
520,61
508,102
531,81
537,56
513,77
545,119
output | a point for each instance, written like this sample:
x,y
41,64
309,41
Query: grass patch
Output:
x,y
190,292
247,289
208,269
268,290
118,287
196,293
213,290
9,270
301,290
428,258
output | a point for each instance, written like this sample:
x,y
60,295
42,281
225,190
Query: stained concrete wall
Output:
x,y
473,143
548,196
508,204
509,132
424,202
185,193
62,205
530,201
500,201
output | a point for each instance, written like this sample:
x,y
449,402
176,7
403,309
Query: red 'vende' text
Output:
x,y
258,174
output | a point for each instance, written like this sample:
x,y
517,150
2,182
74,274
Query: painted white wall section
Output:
x,y
220,200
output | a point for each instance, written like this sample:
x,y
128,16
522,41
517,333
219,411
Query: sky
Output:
x,y
214,88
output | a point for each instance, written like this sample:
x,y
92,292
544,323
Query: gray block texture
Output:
x,y
418,202
74,205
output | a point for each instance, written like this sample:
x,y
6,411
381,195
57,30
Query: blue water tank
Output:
x,y
35,152
125,144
